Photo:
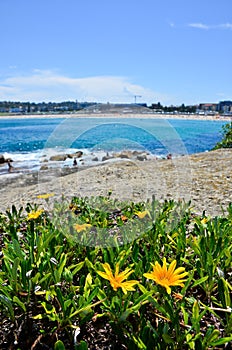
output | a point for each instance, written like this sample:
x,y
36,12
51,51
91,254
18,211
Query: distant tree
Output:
x,y
227,137
182,108
156,106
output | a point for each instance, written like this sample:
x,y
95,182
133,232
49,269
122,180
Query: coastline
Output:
x,y
202,178
119,115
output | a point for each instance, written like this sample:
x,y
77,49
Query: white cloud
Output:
x,y
226,26
198,25
207,27
46,85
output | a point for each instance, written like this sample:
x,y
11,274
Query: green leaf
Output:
x,y
213,336
24,270
185,315
49,309
89,264
60,297
81,346
143,299
44,278
86,309
224,293
189,341
19,303
101,294
68,276
167,339
63,260
139,343
17,249
222,341
142,288
88,285
59,345
221,292
7,302
200,281
77,267
38,317
67,303
93,294
14,272
195,316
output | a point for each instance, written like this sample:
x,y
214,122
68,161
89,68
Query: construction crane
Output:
x,y
135,97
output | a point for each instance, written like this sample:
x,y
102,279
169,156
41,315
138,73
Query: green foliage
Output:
x,y
49,273
227,137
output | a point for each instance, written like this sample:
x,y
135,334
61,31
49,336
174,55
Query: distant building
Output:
x,y
208,107
225,106
16,110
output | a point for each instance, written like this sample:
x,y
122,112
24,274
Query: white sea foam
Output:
x,y
33,161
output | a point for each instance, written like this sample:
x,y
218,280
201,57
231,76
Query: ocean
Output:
x,y
31,142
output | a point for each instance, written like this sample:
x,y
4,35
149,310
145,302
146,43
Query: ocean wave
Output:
x,y
64,157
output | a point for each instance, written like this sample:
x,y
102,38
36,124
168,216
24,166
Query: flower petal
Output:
x,y
107,268
179,270
116,270
158,268
123,275
171,268
178,277
128,286
164,268
150,276
103,274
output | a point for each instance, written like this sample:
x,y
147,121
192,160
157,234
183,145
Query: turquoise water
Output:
x,y
28,135
24,139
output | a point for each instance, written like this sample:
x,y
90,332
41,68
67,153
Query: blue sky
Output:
x,y
171,51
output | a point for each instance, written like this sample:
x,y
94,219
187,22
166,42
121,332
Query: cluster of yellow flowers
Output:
x,y
162,275
45,196
34,214
142,214
81,227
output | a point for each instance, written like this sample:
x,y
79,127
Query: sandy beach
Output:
x,y
204,179
120,115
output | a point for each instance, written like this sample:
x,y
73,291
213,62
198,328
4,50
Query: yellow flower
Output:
x,y
116,280
34,214
142,214
45,196
82,227
167,277
204,220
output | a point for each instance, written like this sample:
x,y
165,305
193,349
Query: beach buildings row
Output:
x,y
223,107
42,107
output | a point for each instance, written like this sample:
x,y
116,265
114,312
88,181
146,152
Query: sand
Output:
x,y
120,115
204,179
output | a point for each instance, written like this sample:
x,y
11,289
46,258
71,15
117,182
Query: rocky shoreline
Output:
x,y
204,179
